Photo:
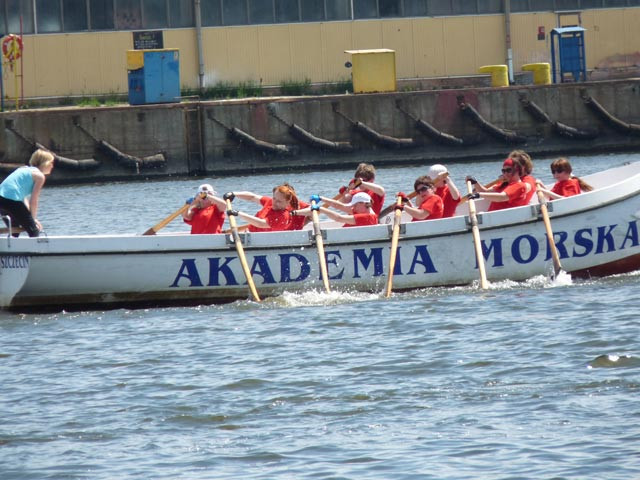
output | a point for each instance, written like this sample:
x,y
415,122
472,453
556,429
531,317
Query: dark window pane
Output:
x,y
489,6
365,9
567,4
128,15
49,16
440,7
211,14
75,15
519,5
541,6
155,14
312,10
15,8
287,11
3,24
389,8
181,13
101,14
415,8
260,11
338,9
591,4
234,12
615,3
464,6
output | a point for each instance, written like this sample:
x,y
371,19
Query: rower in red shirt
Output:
x,y
206,212
526,165
431,205
363,181
275,213
566,185
511,193
445,189
361,212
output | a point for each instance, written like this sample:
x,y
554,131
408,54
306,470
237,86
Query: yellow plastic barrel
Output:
x,y
499,74
541,72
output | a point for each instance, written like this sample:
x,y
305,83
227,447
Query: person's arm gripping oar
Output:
x,y
547,225
231,215
394,243
315,206
475,232
153,230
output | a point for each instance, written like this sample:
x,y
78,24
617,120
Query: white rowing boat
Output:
x,y
596,234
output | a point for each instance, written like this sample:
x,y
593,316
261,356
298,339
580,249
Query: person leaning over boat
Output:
x,y
361,212
206,212
20,192
363,181
296,223
566,185
431,206
526,165
275,214
445,189
509,194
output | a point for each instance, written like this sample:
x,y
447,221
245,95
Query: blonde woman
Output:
x,y
20,192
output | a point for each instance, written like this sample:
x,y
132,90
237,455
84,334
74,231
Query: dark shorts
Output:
x,y
20,216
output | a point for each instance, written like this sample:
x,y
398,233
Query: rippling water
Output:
x,y
525,380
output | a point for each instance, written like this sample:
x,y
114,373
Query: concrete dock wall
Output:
x,y
195,138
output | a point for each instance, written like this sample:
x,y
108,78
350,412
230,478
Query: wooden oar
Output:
x,y
319,242
239,248
4,231
475,232
488,185
153,230
547,225
394,244
385,211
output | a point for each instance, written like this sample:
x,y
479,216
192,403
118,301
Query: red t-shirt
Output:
x,y
297,222
529,180
516,193
278,220
567,188
363,219
377,201
434,206
448,201
206,220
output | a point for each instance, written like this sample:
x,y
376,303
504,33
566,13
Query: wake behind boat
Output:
x,y
596,234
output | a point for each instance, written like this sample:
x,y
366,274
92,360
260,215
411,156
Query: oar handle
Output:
x,y
239,248
153,230
547,225
322,260
477,243
395,236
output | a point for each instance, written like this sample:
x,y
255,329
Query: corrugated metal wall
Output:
x,y
93,63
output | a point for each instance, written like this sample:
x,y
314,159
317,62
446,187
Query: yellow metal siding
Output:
x,y
92,63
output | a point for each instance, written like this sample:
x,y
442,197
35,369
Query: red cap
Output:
x,y
508,162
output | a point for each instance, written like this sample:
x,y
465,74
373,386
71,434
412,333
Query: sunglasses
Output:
x,y
507,170
556,170
421,189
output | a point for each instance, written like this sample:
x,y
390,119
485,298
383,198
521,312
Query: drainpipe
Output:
x,y
196,9
507,25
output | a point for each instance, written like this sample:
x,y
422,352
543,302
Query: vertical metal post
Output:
x,y
507,24
198,17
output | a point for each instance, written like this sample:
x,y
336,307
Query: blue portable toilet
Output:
x,y
154,76
567,55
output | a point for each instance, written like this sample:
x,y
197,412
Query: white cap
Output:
x,y
360,197
206,188
436,170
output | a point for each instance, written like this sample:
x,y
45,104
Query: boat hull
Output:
x,y
596,234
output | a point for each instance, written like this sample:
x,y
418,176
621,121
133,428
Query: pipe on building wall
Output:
x,y
507,25
198,18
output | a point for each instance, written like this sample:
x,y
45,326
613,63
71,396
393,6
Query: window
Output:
x,y
390,8
128,15
416,8
287,11
234,12
260,11
155,14
338,9
181,13
591,3
567,4
16,9
464,7
211,13
74,13
312,10
440,7
365,9
49,16
519,5
615,3
101,15
489,6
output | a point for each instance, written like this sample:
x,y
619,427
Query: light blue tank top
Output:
x,y
18,185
